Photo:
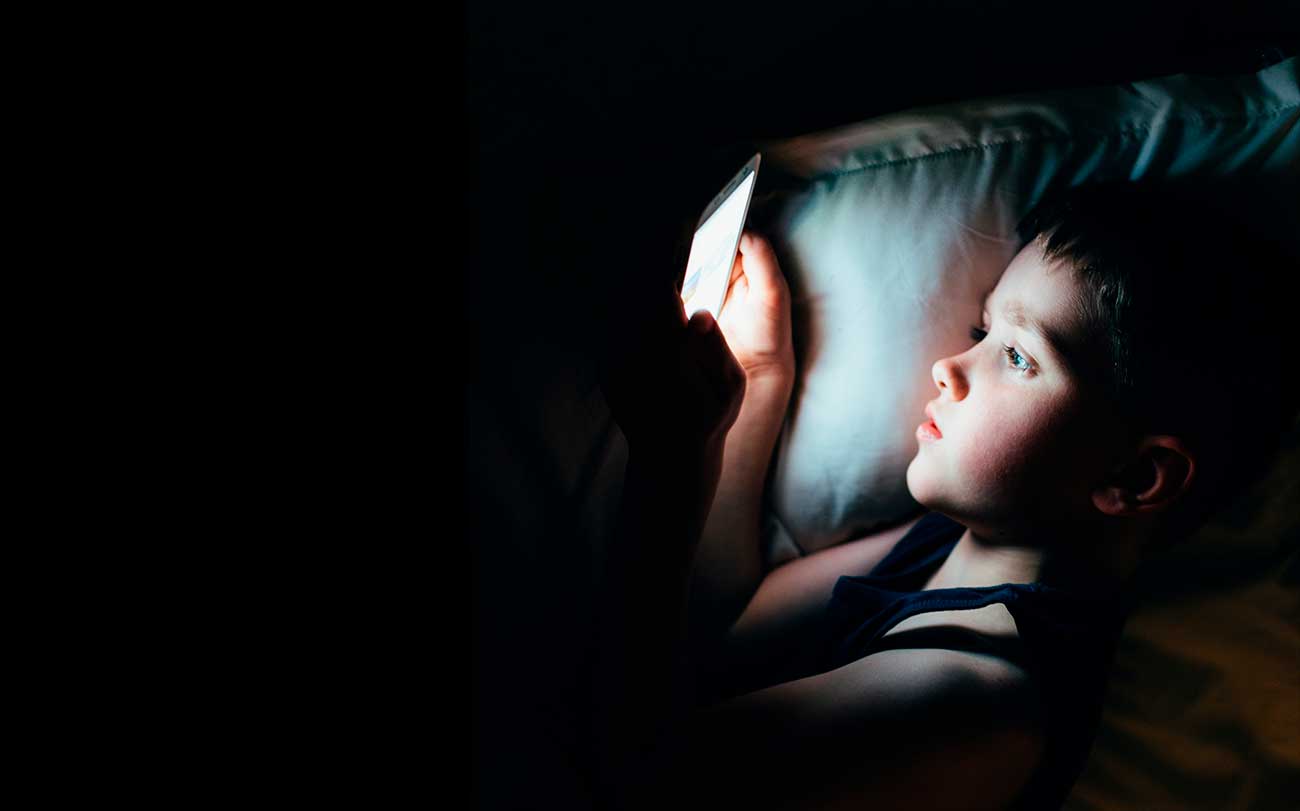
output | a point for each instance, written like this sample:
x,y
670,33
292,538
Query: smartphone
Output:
x,y
716,240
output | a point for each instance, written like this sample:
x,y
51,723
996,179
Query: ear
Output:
x,y
1161,471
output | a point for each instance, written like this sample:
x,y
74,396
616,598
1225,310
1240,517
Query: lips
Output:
x,y
929,412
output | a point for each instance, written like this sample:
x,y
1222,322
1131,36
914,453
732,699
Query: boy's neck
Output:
x,y
1080,564
973,563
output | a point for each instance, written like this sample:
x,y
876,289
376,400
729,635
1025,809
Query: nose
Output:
x,y
947,375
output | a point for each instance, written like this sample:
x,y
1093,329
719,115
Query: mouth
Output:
x,y
929,429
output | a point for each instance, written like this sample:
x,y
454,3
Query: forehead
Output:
x,y
1048,292
1043,302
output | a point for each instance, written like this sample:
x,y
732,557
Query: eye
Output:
x,y
1012,354
978,334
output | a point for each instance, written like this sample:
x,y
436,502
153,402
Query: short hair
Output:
x,y
1190,310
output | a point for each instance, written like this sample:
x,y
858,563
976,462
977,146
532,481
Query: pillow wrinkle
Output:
x,y
892,229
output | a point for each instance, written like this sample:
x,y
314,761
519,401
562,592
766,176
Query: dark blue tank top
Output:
x,y
1067,641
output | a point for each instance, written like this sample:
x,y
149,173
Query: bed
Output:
x,y
1203,706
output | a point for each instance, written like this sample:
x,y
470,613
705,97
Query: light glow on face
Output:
x,y
1047,341
1008,406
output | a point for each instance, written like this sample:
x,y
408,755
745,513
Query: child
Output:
x,y
1130,375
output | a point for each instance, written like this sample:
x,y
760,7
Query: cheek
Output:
x,y
1010,451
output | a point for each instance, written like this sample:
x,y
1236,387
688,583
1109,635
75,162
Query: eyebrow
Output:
x,y
1056,343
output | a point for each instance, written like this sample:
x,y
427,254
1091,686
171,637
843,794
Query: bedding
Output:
x,y
886,228
890,231
1202,709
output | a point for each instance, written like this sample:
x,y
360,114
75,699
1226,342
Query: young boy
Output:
x,y
1130,374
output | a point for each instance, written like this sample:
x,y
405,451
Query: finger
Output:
x,y
737,268
760,260
677,306
701,354
737,272
717,364
732,372
734,381
701,394
736,291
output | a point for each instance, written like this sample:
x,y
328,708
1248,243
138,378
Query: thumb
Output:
x,y
761,267
715,360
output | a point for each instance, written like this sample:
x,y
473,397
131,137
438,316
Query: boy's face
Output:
x,y
1023,439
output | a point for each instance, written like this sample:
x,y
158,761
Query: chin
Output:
x,y
916,486
924,492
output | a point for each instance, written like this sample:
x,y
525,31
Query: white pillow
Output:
x,y
890,231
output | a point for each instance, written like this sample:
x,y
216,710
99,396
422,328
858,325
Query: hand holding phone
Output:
x,y
713,247
739,283
756,313
678,389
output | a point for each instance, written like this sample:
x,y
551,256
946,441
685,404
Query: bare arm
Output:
x,y
897,729
900,729
674,389
877,732
641,685
755,320
777,637
728,565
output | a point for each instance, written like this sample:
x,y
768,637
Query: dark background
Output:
x,y
598,132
